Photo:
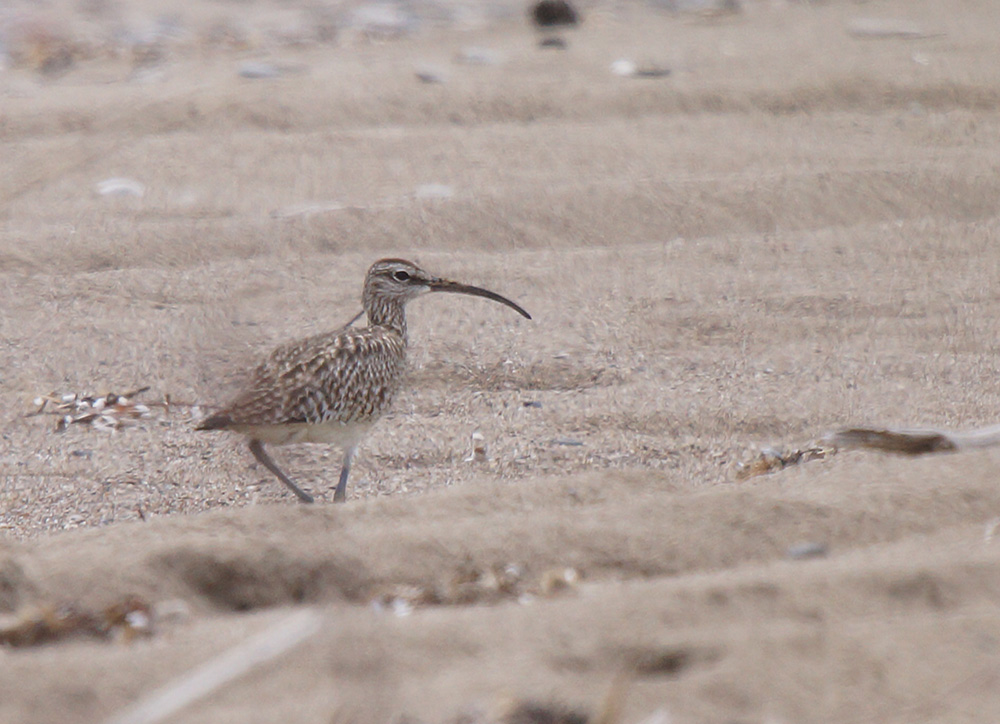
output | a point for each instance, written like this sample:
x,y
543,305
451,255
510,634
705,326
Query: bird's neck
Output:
x,y
391,316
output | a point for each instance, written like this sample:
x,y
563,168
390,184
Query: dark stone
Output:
x,y
552,13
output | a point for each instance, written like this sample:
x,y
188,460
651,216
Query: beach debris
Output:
x,y
431,74
912,441
107,412
269,644
771,459
623,67
472,584
567,442
478,454
558,580
508,710
810,549
651,71
532,403
709,10
903,441
630,69
401,599
479,56
887,28
990,532
553,13
256,69
514,710
554,42
120,186
125,620
534,712
383,21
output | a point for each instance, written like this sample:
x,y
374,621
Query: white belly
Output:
x,y
331,433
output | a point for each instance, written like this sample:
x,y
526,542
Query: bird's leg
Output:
x,y
257,448
340,494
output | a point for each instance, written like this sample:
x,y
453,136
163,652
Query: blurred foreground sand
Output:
x,y
794,230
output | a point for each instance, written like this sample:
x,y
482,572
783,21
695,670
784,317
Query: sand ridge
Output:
x,y
795,230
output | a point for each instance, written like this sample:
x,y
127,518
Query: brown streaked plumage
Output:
x,y
333,387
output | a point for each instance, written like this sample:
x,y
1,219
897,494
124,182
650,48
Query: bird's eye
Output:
x,y
401,276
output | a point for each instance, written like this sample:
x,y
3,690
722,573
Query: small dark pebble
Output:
x,y
532,403
651,73
531,712
429,75
807,550
552,42
567,441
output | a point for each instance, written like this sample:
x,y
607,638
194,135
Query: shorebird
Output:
x,y
331,388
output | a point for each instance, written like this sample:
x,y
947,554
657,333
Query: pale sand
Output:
x,y
796,230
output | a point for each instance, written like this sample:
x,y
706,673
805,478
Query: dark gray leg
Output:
x,y
340,494
257,448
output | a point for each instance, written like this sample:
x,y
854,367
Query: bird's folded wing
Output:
x,y
347,376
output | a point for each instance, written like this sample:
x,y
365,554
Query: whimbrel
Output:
x,y
331,388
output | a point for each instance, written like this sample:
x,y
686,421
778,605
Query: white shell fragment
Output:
x,y
886,28
119,186
478,454
624,67
630,69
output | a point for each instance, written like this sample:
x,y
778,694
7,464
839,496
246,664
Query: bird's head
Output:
x,y
394,282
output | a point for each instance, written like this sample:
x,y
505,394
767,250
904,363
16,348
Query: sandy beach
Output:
x,y
790,224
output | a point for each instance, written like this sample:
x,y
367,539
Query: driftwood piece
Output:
x,y
912,441
904,441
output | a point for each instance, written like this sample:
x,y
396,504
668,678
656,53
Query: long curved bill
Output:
x,y
445,285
